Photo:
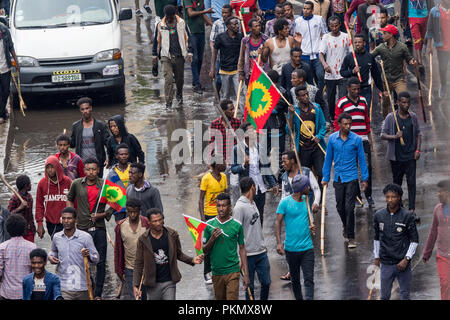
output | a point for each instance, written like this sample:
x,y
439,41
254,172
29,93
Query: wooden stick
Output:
x,y
238,96
431,80
390,99
311,218
19,93
322,223
422,105
88,278
248,288
373,284
109,238
12,189
242,21
353,49
371,103
359,200
140,284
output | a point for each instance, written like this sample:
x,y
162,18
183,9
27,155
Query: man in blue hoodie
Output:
x,y
41,284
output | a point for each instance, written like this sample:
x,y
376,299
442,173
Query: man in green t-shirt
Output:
x,y
196,17
221,244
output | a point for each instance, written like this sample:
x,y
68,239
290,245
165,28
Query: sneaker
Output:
x,y
147,8
198,89
139,13
352,244
371,202
208,279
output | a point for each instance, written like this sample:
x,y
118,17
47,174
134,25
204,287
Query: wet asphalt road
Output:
x,y
340,274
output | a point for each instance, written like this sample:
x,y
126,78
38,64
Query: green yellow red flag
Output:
x,y
196,228
262,97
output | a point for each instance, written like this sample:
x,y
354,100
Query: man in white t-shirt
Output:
x,y
333,49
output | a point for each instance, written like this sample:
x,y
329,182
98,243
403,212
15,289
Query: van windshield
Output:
x,y
30,14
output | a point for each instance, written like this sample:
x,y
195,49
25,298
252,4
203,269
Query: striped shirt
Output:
x,y
14,265
359,114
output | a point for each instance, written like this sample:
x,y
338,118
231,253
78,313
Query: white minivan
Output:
x,y
69,47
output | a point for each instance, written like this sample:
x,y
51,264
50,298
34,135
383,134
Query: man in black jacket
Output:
x,y
367,64
395,242
89,136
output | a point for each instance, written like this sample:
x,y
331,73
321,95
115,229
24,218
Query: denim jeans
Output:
x,y
366,92
388,273
260,264
99,237
318,70
305,260
198,44
129,285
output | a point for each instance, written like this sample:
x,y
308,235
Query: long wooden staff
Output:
x,y
23,106
88,278
390,99
311,218
322,222
242,20
353,49
12,189
373,284
140,284
431,80
420,94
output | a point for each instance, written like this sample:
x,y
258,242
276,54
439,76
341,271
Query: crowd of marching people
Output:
x,y
325,67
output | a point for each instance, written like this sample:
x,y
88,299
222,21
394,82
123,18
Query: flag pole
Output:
x,y
101,192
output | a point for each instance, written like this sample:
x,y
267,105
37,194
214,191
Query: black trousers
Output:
x,y
368,154
345,194
99,237
305,261
53,228
5,80
260,201
313,159
408,168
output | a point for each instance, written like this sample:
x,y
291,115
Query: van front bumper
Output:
x,y
101,77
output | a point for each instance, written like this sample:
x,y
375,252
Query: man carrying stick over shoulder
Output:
x,y
344,146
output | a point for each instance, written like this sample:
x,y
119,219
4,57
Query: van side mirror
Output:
x,y
125,14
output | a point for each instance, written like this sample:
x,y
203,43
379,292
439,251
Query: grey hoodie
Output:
x,y
247,214
149,196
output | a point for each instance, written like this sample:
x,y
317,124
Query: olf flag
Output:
x,y
114,195
262,97
196,228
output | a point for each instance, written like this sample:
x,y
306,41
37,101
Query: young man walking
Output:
x,y
438,36
295,63
196,18
41,284
25,209
14,259
51,197
440,232
172,45
89,135
91,215
127,234
403,158
395,242
141,189
333,49
393,53
246,212
224,250
157,252
356,106
344,146
229,46
367,67
71,163
298,245
68,249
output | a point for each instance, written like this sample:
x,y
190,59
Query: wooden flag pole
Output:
x,y
390,99
140,285
322,222
242,20
248,288
88,278
238,97
419,87
373,284
431,80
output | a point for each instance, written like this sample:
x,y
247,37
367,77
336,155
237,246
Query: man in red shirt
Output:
x,y
356,106
246,7
354,7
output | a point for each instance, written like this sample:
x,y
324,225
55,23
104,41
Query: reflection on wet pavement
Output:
x,y
340,274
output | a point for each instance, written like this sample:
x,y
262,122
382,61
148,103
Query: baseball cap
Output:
x,y
391,29
300,182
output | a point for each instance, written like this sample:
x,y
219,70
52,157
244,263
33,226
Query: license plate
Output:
x,y
66,77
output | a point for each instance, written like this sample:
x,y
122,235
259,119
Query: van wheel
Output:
x,y
118,95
